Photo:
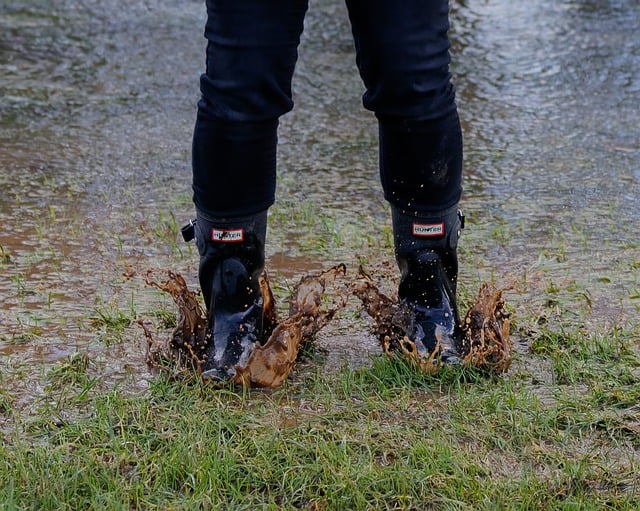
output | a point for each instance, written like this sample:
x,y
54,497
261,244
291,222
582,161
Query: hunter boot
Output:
x,y
231,261
425,248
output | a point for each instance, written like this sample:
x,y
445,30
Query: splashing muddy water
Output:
x,y
486,340
274,355
315,301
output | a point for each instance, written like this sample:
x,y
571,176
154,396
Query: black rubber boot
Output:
x,y
425,247
231,261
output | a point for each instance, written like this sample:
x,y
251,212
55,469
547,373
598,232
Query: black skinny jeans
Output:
x,y
402,53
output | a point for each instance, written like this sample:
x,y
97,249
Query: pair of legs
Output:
x,y
402,53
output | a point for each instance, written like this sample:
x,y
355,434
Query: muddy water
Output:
x,y
97,102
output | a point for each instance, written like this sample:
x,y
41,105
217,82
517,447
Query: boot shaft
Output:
x,y
231,262
426,244
231,258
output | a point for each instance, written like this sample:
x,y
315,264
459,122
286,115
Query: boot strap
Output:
x,y
189,231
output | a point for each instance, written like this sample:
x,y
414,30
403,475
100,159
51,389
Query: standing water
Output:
x,y
97,104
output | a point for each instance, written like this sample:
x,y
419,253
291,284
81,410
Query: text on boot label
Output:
x,y
428,230
227,235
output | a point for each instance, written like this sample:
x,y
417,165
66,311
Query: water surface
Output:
x,y
97,103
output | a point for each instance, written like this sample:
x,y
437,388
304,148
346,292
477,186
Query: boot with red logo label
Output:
x,y
231,262
425,249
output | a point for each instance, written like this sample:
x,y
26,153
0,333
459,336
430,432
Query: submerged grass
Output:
x,y
382,437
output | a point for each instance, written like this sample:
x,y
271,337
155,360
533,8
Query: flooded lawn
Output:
x,y
97,104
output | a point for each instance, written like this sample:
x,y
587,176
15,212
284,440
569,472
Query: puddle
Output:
x,y
96,117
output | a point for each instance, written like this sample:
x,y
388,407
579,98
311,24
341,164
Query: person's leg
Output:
x,y
402,52
251,55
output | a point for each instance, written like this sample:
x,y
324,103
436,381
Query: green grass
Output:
x,y
383,437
